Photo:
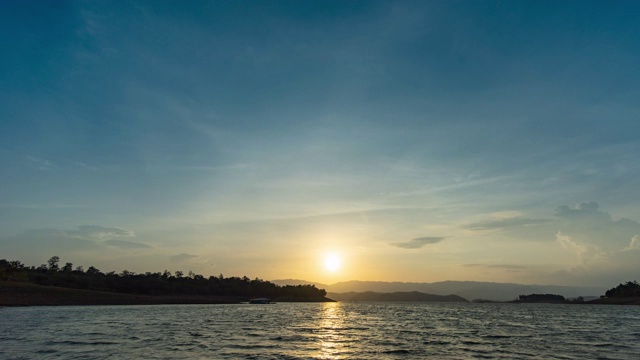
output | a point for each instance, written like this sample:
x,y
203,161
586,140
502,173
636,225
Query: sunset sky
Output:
x,y
411,140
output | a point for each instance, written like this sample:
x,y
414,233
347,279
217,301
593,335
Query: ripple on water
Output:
x,y
322,331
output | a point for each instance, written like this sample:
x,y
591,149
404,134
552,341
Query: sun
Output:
x,y
332,263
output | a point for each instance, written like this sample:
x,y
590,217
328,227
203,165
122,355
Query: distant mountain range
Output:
x,y
470,290
413,296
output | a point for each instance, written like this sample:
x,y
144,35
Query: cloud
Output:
x,y
582,251
127,244
418,242
95,232
183,257
604,249
587,225
84,166
634,243
498,224
39,163
607,268
505,266
496,266
48,240
83,239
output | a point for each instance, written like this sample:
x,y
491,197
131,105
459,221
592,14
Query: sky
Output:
x,y
415,141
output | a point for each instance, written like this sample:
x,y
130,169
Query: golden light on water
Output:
x,y
331,339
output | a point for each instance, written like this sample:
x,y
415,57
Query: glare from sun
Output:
x,y
332,263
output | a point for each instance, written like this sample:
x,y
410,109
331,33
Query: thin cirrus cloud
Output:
x,y
183,257
496,266
87,233
506,223
418,243
127,244
99,232
84,238
40,163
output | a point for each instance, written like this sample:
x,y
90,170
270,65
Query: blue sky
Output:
x,y
419,141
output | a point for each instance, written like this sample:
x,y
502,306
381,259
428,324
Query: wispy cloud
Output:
x,y
417,243
39,163
126,244
82,165
498,224
634,243
96,232
496,266
86,238
183,257
43,206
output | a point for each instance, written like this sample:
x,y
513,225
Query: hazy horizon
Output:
x,y
415,141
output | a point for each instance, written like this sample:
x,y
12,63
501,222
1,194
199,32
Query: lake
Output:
x,y
322,331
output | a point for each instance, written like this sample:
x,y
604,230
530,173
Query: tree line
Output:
x,y
158,283
630,289
546,298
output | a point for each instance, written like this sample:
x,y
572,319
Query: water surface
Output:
x,y
322,331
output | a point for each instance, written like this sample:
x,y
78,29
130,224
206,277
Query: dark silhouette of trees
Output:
x,y
53,263
68,267
149,283
545,298
630,289
12,271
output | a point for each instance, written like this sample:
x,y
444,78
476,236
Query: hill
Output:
x,y
413,296
25,294
466,289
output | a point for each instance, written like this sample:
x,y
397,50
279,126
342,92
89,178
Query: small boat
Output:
x,y
260,301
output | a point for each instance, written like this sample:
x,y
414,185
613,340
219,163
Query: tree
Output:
x,y
68,267
630,289
166,274
127,273
151,283
16,265
93,271
53,263
42,268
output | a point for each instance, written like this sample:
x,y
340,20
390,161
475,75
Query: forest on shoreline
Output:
x,y
165,284
49,284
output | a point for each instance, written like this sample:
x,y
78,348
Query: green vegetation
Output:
x,y
153,284
630,289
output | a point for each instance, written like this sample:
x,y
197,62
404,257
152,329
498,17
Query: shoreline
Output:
x,y
16,294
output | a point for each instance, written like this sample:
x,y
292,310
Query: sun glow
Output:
x,y
332,263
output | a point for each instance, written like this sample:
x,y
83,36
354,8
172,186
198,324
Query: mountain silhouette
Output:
x,y
470,290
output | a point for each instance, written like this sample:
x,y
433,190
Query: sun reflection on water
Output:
x,y
331,332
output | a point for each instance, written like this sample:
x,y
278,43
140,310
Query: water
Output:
x,y
322,331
